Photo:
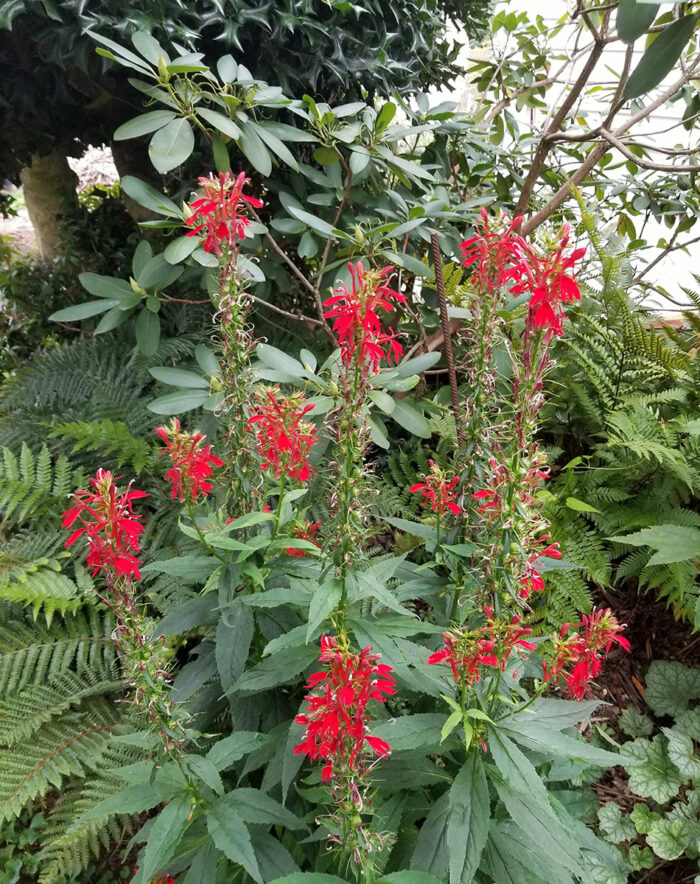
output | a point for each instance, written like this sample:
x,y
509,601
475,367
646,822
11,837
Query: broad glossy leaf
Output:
x,y
661,57
143,124
407,416
149,197
255,151
178,402
633,19
179,377
105,286
147,332
180,248
84,311
221,122
171,145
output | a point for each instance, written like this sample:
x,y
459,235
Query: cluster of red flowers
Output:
x,y
192,462
490,646
216,213
493,256
579,657
283,437
550,283
336,719
307,532
111,527
438,491
531,580
357,323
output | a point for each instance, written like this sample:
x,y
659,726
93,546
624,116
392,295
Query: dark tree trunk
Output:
x,y
49,192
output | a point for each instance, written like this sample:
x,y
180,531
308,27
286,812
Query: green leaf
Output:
x,y
143,124
255,151
277,670
278,148
179,377
468,820
180,248
254,806
165,834
112,319
203,769
418,529
634,724
669,838
135,799
171,145
383,401
409,733
651,773
83,311
309,878
409,877
408,262
324,601
671,687
640,858
326,156
430,853
661,57
408,417
222,161
105,286
225,753
148,46
681,752
613,825
249,519
231,836
220,122
187,567
227,69
148,196
676,543
580,506
633,19
147,332
178,402
279,360
317,224
385,116
233,637
554,744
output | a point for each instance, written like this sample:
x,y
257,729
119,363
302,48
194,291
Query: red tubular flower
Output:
x,y
579,658
284,438
492,255
531,581
336,719
307,532
216,213
551,284
356,313
438,491
111,527
192,462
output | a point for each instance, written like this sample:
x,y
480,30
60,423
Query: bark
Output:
x,y
131,158
49,192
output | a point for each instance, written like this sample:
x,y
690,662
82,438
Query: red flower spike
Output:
x,y
336,719
216,213
438,491
493,256
579,657
192,462
110,525
356,313
307,532
284,438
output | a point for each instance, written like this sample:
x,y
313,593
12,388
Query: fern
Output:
x,y
31,485
108,437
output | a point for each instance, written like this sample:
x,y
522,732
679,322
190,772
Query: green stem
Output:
x,y
209,547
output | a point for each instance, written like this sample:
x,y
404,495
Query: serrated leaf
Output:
x,y
277,670
164,837
613,825
634,724
468,820
671,687
651,773
669,838
231,836
225,753
324,601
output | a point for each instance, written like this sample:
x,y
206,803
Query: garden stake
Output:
x,y
447,335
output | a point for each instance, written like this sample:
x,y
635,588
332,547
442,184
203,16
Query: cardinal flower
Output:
x,y
193,461
284,437
305,532
356,314
336,718
493,254
111,528
217,213
438,491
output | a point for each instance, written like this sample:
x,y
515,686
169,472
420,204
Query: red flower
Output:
x,y
217,211
192,463
532,581
550,283
306,532
356,313
579,658
489,646
438,491
111,527
493,256
284,438
336,719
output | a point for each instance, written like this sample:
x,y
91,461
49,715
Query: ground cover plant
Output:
x,y
346,621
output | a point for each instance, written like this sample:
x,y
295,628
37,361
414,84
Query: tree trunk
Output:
x,y
131,158
49,192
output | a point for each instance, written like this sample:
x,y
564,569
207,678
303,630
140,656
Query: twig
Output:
x,y
299,317
645,164
445,322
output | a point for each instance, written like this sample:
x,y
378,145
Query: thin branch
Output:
x,y
186,300
672,246
645,164
445,322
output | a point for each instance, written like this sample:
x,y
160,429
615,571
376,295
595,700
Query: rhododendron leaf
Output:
x,y
408,417
378,433
408,262
317,224
661,57
179,249
158,274
468,820
323,603
206,259
164,836
147,196
143,124
255,151
84,311
147,330
280,361
231,836
178,402
220,122
382,400
278,147
634,18
112,319
178,377
227,751
105,286
227,69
